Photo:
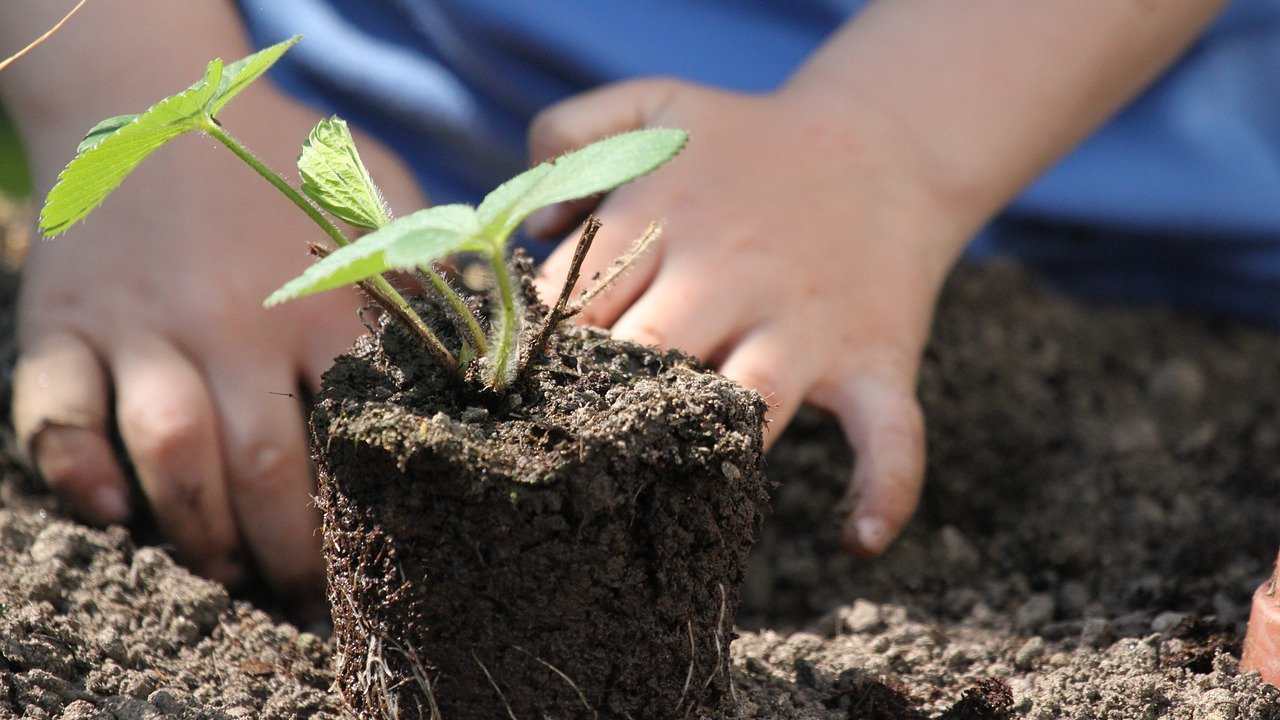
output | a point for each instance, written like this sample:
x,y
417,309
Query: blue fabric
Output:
x,y
1176,200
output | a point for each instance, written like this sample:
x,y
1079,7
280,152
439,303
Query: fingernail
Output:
x,y
110,505
873,534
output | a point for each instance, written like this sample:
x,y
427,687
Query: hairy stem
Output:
x,y
381,290
617,269
463,319
405,314
506,331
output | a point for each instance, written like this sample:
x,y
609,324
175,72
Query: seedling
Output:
x,y
335,181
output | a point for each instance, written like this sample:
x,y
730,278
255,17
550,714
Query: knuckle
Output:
x,y
262,467
162,431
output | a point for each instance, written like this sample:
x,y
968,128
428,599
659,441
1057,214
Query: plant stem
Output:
x,y
215,131
403,312
506,340
463,319
382,292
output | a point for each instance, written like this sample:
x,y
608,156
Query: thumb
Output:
x,y
883,422
583,119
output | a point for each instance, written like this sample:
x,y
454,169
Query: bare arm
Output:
x,y
992,92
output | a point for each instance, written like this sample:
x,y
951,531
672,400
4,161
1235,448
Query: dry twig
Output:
x,y
40,40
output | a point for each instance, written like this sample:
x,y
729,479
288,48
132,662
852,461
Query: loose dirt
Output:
x,y
1101,503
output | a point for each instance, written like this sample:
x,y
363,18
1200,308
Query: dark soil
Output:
x,y
571,548
1101,503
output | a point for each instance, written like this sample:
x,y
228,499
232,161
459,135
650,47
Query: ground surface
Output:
x,y
1101,504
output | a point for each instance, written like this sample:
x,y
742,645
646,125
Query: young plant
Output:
x,y
335,179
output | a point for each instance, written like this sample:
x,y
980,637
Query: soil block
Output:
x,y
571,548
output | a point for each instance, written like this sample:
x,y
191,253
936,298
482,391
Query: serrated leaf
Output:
x,y
99,132
94,173
241,73
334,176
596,168
402,244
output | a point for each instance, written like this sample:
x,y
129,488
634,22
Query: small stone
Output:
x,y
137,685
1216,704
170,701
730,471
1095,633
61,542
1135,434
1029,653
1035,612
959,553
148,565
1073,597
1167,623
1179,382
82,710
475,415
863,617
184,631
957,657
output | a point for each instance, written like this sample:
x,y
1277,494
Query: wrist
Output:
x,y
931,197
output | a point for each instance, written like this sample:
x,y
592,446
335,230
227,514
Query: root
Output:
x,y
377,670
420,677
617,269
377,673
581,695
688,678
496,689
724,603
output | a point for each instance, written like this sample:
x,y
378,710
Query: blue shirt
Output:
x,y
1177,199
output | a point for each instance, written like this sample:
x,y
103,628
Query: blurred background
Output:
x,y
15,192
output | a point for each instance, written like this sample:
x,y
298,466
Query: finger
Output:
x,y
269,471
616,235
764,362
883,422
581,120
169,428
677,311
557,220
589,116
59,416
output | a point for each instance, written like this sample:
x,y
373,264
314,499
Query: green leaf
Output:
x,y
100,168
334,176
244,71
596,168
402,244
99,132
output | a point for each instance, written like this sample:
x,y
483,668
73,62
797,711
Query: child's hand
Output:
x,y
801,256
808,231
